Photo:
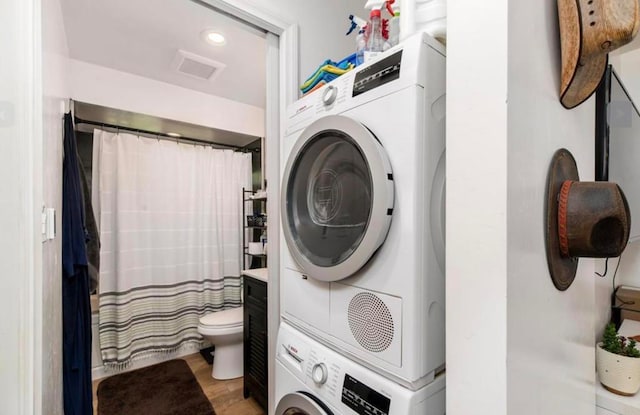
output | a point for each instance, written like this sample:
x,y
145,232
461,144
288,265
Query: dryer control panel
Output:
x,y
379,73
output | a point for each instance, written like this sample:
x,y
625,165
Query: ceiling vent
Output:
x,y
196,66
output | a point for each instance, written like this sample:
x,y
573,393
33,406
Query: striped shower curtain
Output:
x,y
170,227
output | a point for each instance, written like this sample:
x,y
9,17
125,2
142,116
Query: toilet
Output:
x,y
224,330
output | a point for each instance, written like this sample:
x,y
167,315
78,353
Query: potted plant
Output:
x,y
618,363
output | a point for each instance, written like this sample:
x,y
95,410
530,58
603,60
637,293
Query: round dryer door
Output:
x,y
301,403
337,198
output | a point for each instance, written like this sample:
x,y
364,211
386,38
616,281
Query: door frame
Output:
x,y
282,90
21,177
22,134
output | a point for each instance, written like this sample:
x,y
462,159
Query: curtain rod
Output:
x,y
159,135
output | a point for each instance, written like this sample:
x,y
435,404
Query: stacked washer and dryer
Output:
x,y
362,265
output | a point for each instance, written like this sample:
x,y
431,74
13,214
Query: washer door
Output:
x,y
301,403
337,198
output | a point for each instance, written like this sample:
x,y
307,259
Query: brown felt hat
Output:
x,y
589,30
584,219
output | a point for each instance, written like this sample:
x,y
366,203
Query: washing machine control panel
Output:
x,y
323,373
334,94
319,373
363,399
345,385
330,381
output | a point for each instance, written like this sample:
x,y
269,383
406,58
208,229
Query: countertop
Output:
x,y
623,405
257,273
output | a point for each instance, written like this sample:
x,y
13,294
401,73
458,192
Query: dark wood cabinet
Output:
x,y
255,340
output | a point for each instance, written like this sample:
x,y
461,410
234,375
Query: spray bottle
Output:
x,y
360,25
394,23
375,40
377,31
356,23
374,4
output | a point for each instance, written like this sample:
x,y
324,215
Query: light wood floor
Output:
x,y
225,395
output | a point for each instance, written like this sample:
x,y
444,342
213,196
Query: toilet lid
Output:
x,y
230,317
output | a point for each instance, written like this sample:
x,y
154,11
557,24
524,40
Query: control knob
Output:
x,y
329,95
319,373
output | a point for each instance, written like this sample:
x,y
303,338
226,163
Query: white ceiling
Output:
x,y
143,36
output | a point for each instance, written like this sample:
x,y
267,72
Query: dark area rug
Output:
x,y
168,388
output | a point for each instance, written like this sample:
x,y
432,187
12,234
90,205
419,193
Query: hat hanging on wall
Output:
x,y
583,219
589,30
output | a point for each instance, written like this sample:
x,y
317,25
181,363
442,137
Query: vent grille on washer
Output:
x,y
370,322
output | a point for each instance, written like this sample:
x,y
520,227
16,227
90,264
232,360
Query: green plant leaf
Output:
x,y
614,343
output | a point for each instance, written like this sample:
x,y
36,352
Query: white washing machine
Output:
x,y
363,183
312,379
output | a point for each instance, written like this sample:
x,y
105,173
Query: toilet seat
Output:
x,y
227,321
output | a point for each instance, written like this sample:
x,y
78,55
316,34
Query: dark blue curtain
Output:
x,y
76,308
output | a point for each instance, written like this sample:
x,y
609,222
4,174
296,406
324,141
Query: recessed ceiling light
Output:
x,y
214,38
174,135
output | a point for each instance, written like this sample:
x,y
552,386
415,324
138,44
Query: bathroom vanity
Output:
x,y
255,335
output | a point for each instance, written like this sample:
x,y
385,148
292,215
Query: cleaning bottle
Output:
x,y
263,241
385,34
361,43
394,22
375,41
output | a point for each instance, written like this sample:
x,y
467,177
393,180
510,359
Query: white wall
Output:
x,y
322,30
627,66
550,358
628,272
21,184
514,343
476,283
110,88
322,25
56,93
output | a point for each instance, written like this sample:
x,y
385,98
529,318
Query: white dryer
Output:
x,y
363,182
312,379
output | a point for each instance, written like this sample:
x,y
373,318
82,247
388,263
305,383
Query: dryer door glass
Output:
x,y
330,195
337,198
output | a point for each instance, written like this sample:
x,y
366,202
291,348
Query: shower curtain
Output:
x,y
170,225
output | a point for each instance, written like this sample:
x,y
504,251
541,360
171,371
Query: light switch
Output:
x,y
51,223
48,223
